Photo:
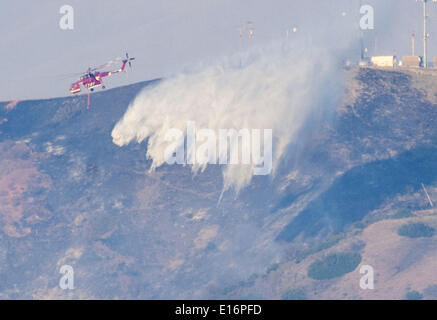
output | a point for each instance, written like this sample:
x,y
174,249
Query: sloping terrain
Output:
x,y
68,195
379,152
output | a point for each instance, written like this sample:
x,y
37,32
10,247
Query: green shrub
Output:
x,y
416,230
414,295
334,265
401,214
294,294
328,243
431,292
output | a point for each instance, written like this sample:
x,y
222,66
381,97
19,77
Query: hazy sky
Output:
x,y
167,35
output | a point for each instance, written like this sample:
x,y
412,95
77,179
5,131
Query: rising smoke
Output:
x,y
276,87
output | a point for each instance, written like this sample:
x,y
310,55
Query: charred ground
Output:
x,y
68,195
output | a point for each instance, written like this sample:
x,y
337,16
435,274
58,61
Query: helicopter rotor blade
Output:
x,y
92,69
107,64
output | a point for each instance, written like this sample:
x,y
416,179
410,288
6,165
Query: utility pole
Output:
x,y
287,32
250,30
241,31
413,44
425,33
361,36
425,36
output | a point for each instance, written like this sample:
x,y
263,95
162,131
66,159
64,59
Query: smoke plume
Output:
x,y
276,87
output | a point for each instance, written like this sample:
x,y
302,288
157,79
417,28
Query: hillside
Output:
x,y
69,195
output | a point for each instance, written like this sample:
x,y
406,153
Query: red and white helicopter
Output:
x,y
93,78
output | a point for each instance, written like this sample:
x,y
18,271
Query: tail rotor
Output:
x,y
129,60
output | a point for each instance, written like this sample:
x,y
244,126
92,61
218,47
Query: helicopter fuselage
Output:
x,y
90,80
